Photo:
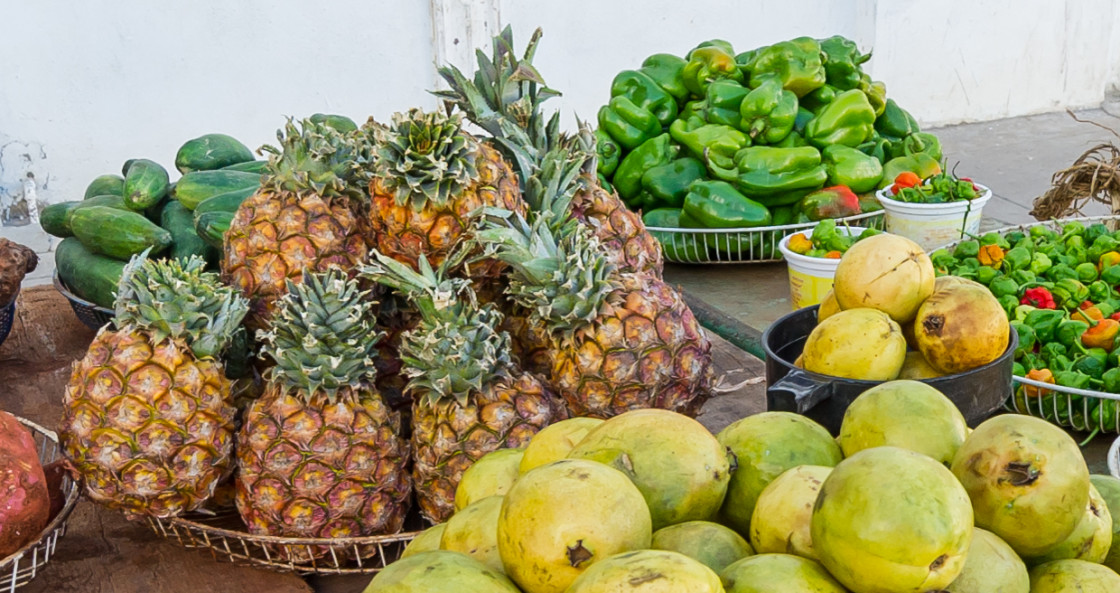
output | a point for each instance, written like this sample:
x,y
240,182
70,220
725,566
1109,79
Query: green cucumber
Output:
x,y
340,123
105,185
192,188
185,242
117,233
258,167
55,219
145,185
212,227
212,151
227,202
88,275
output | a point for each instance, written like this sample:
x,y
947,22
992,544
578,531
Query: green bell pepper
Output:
x,y
842,60
1027,338
766,171
1044,322
782,215
920,164
804,116
652,153
718,205
674,246
706,64
847,120
667,184
816,100
875,147
629,124
849,167
667,71
608,151
792,140
768,112
830,202
876,92
722,103
1002,286
922,142
644,92
714,144
895,122
797,63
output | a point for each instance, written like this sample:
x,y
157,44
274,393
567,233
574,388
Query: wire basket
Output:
x,y
738,246
21,567
1065,406
93,316
8,317
224,536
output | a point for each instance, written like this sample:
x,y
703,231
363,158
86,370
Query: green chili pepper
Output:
x,y
1073,291
1106,306
652,153
629,124
969,248
848,120
969,264
768,112
1044,322
1002,286
644,92
667,184
1111,380
985,275
1040,262
1069,332
1050,350
1027,338
667,71
1103,415
1073,228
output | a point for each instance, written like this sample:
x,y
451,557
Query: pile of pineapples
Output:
x,y
419,296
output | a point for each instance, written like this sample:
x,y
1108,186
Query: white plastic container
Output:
x,y
933,225
810,278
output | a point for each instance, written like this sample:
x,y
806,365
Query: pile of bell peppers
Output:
x,y
1059,288
766,137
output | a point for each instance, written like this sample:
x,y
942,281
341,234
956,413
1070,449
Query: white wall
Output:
x,y
86,85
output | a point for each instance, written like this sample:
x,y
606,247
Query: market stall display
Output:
x,y
934,210
813,256
745,141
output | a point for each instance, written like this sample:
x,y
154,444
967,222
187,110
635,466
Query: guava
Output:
x,y
711,544
961,327
426,541
1067,576
889,520
555,441
885,272
648,571
907,414
861,343
474,531
782,517
771,573
1109,489
439,571
991,567
1027,481
1090,540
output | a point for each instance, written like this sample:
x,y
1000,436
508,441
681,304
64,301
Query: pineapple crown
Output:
x,y
554,181
323,337
457,349
559,272
505,99
317,157
423,156
179,300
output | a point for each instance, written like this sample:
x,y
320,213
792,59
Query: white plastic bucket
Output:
x,y
933,225
810,278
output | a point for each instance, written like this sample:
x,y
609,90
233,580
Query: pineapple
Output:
x,y
320,453
309,214
505,99
469,396
148,420
619,341
427,176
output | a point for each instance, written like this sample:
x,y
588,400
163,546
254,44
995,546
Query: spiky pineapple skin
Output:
x,y
447,438
404,233
620,230
149,428
276,235
647,352
320,469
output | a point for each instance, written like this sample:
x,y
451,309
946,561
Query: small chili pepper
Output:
x,y
1044,322
1108,259
1101,335
833,255
1042,376
905,179
799,243
1087,314
1071,332
1040,263
1111,380
992,256
1039,297
1115,316
1111,275
1027,338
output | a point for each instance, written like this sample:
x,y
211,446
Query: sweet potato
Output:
x,y
24,501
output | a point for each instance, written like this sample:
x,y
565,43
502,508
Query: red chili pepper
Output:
x,y
969,179
1115,316
1085,305
1039,297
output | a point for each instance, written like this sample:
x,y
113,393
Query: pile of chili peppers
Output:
x,y
1059,290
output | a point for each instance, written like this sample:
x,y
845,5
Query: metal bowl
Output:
x,y
93,316
8,317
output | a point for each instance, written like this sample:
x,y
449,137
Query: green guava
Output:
x,y
1091,538
908,414
770,573
493,474
439,571
1067,576
782,516
991,567
712,544
1109,489
474,531
426,541
647,571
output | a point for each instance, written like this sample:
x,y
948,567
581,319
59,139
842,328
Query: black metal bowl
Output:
x,y
978,393
7,317
93,316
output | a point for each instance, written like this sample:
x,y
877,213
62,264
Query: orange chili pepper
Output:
x,y
991,256
1108,260
833,255
905,179
800,244
1087,314
1041,375
1101,335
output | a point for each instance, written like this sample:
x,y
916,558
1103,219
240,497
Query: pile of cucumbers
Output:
x,y
122,215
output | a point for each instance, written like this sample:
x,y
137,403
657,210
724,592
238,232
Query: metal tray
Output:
x,y
738,246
